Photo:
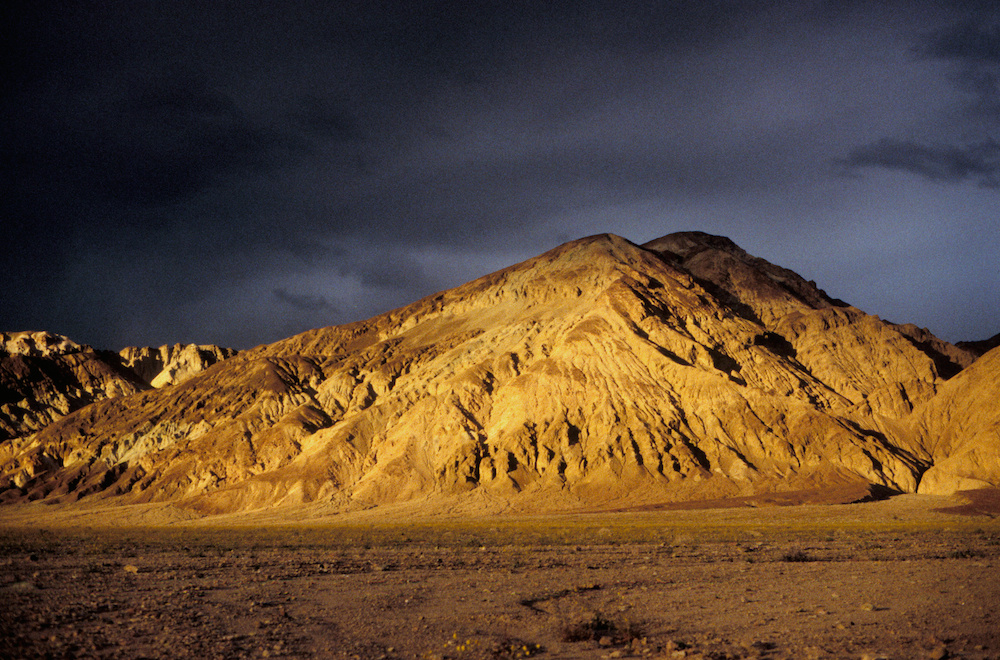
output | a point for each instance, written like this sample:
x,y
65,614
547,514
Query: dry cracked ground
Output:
x,y
903,578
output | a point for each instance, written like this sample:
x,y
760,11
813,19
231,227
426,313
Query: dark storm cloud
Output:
x,y
236,172
472,43
969,41
979,163
973,46
303,302
174,139
154,143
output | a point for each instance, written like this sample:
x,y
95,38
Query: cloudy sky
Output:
x,y
236,172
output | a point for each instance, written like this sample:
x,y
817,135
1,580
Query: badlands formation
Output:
x,y
45,376
600,374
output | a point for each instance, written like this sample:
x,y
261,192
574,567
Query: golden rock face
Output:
x,y
960,430
44,376
598,373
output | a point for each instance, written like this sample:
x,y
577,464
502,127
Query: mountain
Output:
x,y
980,347
599,373
44,376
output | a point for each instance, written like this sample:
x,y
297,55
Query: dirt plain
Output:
x,y
908,577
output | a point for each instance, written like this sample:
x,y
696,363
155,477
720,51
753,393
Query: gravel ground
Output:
x,y
657,585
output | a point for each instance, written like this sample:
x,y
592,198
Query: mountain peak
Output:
x,y
764,291
45,376
684,243
38,344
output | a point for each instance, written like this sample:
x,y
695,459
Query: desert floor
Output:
x,y
901,578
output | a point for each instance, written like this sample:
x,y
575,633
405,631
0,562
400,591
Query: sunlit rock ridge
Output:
x,y
601,373
44,376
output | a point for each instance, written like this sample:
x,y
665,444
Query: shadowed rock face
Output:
x,y
982,347
44,376
598,372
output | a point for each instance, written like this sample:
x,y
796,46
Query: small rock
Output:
x,y
604,641
938,653
131,568
867,607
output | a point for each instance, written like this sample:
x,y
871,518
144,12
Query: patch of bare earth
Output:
x,y
979,502
893,579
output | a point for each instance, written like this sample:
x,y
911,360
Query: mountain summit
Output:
x,y
601,373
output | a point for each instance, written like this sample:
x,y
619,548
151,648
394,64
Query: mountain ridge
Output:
x,y
598,372
44,376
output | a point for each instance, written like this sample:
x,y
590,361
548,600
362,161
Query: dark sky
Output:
x,y
236,172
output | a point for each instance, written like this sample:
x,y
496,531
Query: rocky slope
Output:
x,y
960,428
598,372
44,376
169,365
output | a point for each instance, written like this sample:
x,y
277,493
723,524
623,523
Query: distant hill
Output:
x,y
980,347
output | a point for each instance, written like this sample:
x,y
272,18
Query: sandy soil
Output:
x,y
894,579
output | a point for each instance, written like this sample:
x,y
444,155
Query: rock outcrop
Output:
x,y
44,376
169,365
960,429
599,372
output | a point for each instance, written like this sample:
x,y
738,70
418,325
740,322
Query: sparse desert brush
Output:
x,y
797,555
598,627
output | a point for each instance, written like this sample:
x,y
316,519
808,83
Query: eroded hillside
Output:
x,y
598,372
44,376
